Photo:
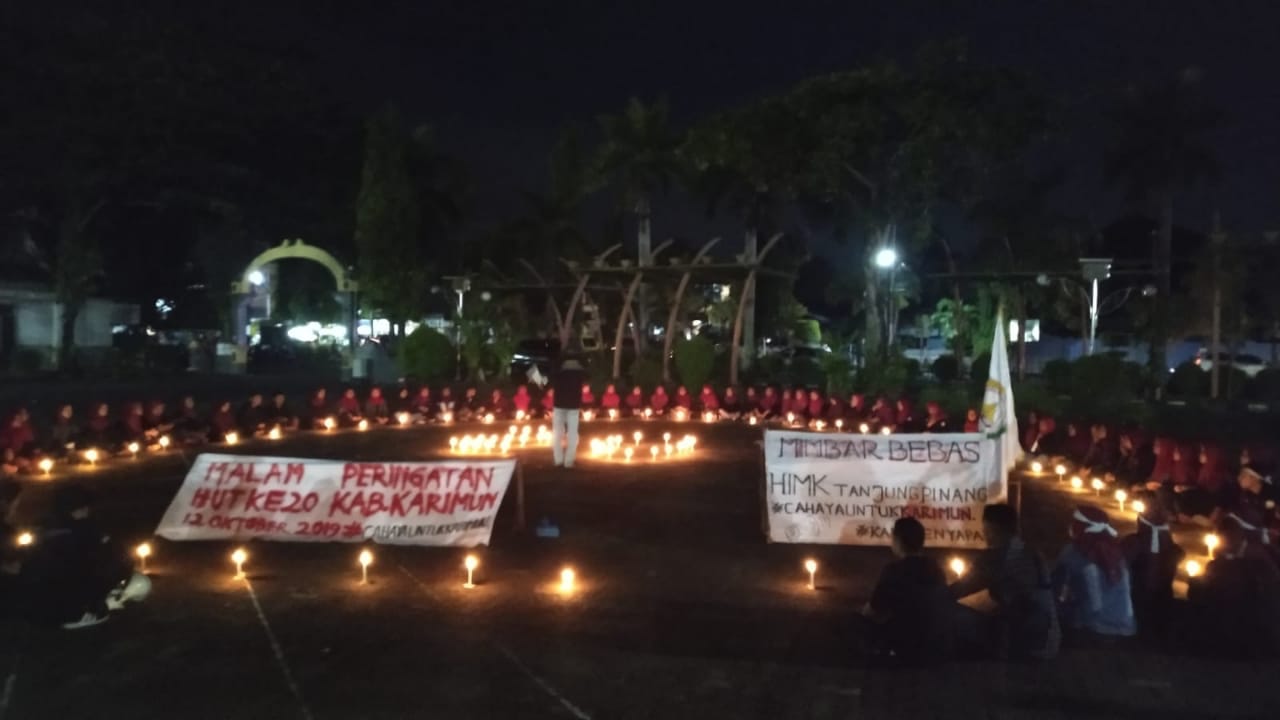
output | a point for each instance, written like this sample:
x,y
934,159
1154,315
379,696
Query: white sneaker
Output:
x,y
87,620
135,589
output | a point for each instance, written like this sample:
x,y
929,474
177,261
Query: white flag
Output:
x,y
998,419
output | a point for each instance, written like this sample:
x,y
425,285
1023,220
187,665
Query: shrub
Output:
x,y
807,372
1265,386
884,377
945,368
1036,396
694,359
1232,382
646,371
427,355
1102,385
838,372
1189,381
1057,376
981,367
29,361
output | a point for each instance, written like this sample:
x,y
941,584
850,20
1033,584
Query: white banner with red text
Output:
x,y
849,489
239,497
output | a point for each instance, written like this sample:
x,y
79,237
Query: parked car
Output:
x,y
1250,365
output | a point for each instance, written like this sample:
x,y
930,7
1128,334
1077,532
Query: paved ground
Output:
x,y
683,612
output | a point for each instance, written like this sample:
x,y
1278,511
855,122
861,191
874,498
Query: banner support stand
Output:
x,y
519,525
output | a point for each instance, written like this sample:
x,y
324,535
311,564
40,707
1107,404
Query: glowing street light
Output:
x,y
811,566
366,559
886,258
239,557
143,552
470,563
256,278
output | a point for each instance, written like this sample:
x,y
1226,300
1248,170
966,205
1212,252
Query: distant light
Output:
x,y
886,258
257,278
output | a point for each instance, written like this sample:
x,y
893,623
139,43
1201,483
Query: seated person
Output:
x,y
280,414
318,409
223,422
470,407
1132,464
856,412
157,422
658,401
1074,445
1256,497
521,402
635,402
770,405
815,407
1048,442
751,402
18,437
130,429
785,409
64,434
403,401
588,397
189,427
498,405
1181,478
683,399
1153,559
1014,576
834,410
1235,605
1091,579
349,411
253,417
1205,493
375,408
424,406
910,606
935,420
99,430
883,414
708,401
907,421
9,467
972,422
610,401
75,572
730,407
1100,458
446,406
548,402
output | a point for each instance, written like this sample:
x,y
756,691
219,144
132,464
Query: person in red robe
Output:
x,y
971,420
732,407
857,408
18,440
498,405
611,402
548,402
376,409
708,400
423,406
658,401
784,403
223,421
683,399
318,409
769,403
935,420
883,414
907,421
635,402
588,397
132,429
349,412
97,432
521,401
815,405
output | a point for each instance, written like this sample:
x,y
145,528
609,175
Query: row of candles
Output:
x,y
614,445
1193,568
517,437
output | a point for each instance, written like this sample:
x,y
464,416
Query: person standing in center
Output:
x,y
567,384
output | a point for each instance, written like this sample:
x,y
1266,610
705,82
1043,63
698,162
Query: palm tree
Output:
x,y
638,158
1159,149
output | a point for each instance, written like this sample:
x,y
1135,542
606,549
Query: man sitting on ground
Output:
x,y
910,606
1022,620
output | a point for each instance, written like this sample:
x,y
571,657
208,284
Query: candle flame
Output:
x,y
958,566
567,578
143,550
366,558
1194,568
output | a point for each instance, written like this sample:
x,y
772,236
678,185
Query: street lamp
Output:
x,y
1094,271
886,258
256,278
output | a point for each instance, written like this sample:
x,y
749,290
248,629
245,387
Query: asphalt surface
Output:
x,y
681,611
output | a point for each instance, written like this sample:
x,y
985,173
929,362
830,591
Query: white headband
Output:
x,y
1093,528
1155,533
1266,536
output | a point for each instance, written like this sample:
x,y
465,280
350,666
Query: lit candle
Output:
x,y
648,413
362,425
164,442
330,423
627,453
488,419
470,563
587,415
1037,468
637,436
1097,486
1121,496
520,416
1076,483
1211,541
133,448
864,428
653,452
46,466
752,420
25,539
453,444
819,425
567,579
1193,568
811,566
958,566
886,430
446,417
366,559
666,437
274,433
791,418
403,418
1138,507
143,552
1060,470
91,455
839,424
613,414
668,450
239,557
231,438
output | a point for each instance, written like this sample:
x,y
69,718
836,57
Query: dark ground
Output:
x,y
683,612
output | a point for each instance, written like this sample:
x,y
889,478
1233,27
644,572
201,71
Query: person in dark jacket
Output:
x,y
1153,559
281,415
64,434
253,417
567,386
910,606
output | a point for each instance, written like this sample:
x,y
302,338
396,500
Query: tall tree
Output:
x,y
1159,149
